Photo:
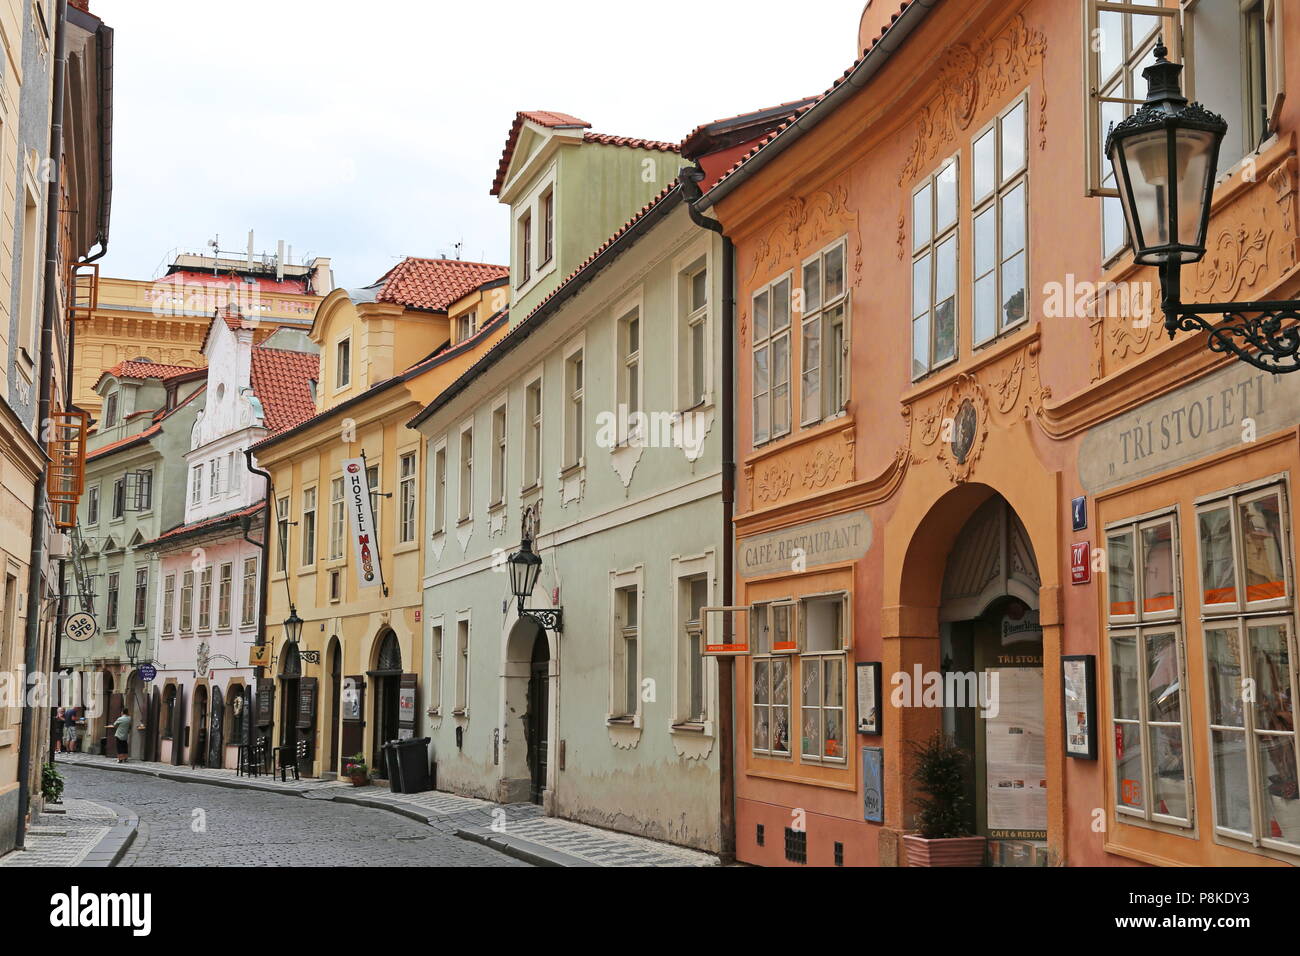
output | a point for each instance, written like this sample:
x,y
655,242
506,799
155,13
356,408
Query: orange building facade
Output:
x,y
968,453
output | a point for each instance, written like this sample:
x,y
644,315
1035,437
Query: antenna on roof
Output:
x,y
458,246
215,243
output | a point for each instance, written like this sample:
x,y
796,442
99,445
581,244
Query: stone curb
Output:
x,y
113,846
520,849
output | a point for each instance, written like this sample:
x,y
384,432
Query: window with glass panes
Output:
x,y
440,489
282,533
629,373
205,599
169,603
695,594
338,519
573,416
110,613
466,489
934,270
693,369
498,476
821,672
1248,618
406,497
196,484
372,482
770,730
92,506
998,195
462,666
187,602
435,674
626,695
824,355
533,434
119,497
771,383
225,582
141,596
248,593
308,526
1148,687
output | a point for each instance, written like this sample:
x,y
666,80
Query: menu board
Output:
x,y
1015,758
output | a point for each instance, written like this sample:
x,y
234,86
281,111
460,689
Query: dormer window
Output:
x,y
110,410
343,364
526,247
466,325
548,226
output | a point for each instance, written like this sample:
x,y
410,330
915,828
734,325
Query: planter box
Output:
x,y
956,851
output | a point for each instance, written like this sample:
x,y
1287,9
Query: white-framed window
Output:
x,y
187,602
92,506
338,519
282,533
574,412
1147,666
196,484
625,646
435,673
462,666
308,527
466,489
466,325
225,584
215,486
999,223
235,470
119,498
142,497
497,479
533,433
694,580
1248,617
934,269
376,496
343,363
335,586
440,487
770,679
548,226
110,410
693,338
169,603
406,502
248,594
141,597
771,385
824,353
824,625
629,374
525,230
110,611
205,599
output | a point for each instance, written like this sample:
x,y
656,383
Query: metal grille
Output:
x,y
796,845
839,853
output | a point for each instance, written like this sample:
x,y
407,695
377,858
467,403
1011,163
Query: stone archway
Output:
x,y
530,704
386,678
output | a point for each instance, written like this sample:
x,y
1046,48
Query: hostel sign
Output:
x,y
361,521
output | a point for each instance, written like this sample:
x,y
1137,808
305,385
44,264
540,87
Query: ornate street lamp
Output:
x,y
292,625
525,568
1165,157
132,647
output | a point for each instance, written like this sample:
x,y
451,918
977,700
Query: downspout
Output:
x,y
690,179
260,640
49,316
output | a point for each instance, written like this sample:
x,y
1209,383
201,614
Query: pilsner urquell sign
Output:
x,y
361,519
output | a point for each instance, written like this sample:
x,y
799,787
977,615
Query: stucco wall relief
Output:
x,y
806,224
806,468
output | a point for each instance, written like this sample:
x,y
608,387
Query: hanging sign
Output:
x,y
80,627
148,672
361,520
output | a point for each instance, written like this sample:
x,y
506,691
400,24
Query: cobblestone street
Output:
x,y
183,824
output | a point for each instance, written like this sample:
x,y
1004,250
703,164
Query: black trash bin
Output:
x,y
394,769
412,759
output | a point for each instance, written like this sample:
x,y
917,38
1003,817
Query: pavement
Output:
x,y
76,833
520,831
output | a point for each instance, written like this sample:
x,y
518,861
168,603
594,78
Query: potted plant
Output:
x,y
355,769
943,809
51,784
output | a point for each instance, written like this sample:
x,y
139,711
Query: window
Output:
x,y
110,410
693,363
498,480
934,270
1262,81
141,596
225,581
548,226
92,506
214,478
338,519
406,497
372,482
771,679
343,363
30,300
466,325
692,699
462,666
435,674
169,603
533,434
626,690
440,489
234,470
629,374
187,602
998,169
248,596
525,248
574,444
336,586
1244,543
1147,683
196,484
282,533
466,473
119,498
822,666
205,599
825,349
110,613
143,490
771,385
308,526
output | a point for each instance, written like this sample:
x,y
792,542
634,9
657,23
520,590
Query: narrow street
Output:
x,y
184,824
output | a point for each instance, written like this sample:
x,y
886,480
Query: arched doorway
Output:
x,y
153,726
334,659
537,718
387,680
199,725
529,704
216,730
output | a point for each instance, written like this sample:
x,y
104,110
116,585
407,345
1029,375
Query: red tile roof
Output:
x,y
281,380
124,442
434,284
184,529
144,368
553,120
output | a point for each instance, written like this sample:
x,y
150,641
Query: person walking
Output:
x,y
57,726
70,737
121,730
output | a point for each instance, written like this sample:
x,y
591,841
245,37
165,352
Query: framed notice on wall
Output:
x,y
1079,696
868,674
873,784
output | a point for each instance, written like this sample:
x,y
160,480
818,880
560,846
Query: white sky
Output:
x,y
367,130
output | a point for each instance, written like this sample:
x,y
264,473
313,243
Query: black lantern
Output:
x,y
132,647
292,626
1165,158
525,567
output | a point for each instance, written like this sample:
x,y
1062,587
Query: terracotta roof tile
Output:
x,y
183,529
124,442
281,380
143,368
434,284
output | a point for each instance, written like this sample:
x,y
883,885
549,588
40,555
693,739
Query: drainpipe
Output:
x,y
250,731
49,315
690,179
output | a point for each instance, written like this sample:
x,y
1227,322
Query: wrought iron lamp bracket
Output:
x,y
547,618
